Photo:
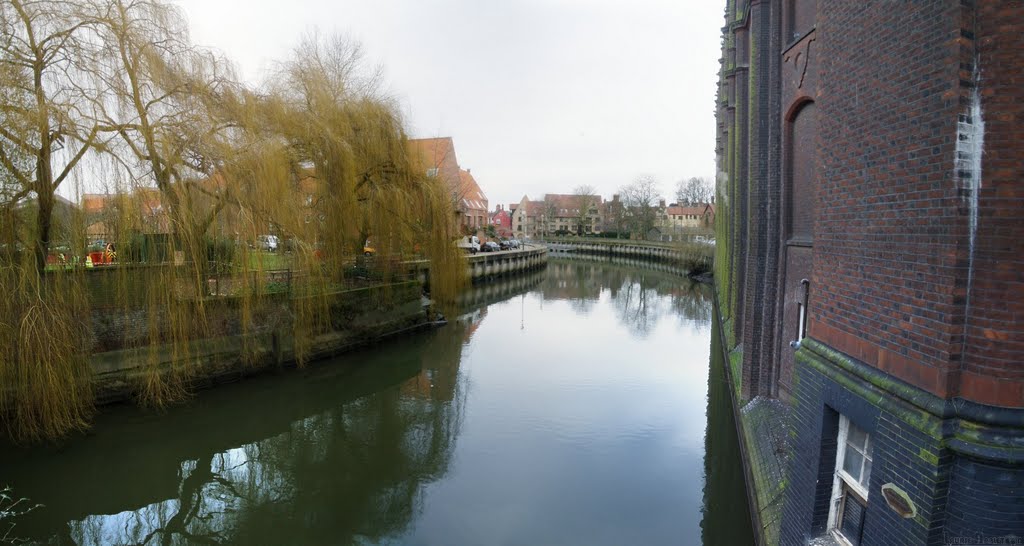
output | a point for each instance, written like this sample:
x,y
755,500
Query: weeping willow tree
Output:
x,y
199,167
347,154
166,103
45,61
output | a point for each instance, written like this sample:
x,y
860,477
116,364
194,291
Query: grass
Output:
x,y
269,260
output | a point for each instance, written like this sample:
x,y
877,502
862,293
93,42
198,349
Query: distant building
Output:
x,y
111,216
559,214
689,216
435,157
472,203
502,222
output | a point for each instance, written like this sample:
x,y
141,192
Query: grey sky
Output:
x,y
540,96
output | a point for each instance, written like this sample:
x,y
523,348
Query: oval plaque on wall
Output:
x,y
899,501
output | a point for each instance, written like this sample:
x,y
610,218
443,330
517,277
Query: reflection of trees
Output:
x,y
638,294
351,473
638,305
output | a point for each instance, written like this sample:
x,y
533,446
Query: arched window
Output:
x,y
801,170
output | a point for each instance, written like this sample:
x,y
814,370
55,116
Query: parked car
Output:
x,y
515,243
267,242
505,244
490,246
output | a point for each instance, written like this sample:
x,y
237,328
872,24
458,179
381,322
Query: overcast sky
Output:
x,y
540,96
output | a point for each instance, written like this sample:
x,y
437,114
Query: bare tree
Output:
x,y
615,216
549,214
587,201
695,190
45,62
639,200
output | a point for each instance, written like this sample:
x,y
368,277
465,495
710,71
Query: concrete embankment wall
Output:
x,y
692,256
485,265
358,316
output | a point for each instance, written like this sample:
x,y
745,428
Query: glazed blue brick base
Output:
x,y
958,498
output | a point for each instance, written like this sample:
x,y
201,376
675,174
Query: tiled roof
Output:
x,y
472,197
677,210
432,152
696,210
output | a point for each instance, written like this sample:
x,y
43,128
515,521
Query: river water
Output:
x,y
579,405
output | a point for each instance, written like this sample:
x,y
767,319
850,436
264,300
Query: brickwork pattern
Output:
x,y
986,501
889,224
993,359
757,236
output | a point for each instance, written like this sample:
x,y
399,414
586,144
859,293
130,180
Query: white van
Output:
x,y
267,242
470,243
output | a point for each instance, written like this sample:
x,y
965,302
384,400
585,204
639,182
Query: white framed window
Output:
x,y
432,171
850,483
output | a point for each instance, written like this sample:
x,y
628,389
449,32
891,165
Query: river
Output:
x,y
579,405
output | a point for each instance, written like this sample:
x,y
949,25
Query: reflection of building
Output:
x,y
870,244
574,280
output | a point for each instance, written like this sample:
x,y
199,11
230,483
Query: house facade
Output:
x,y
689,216
472,203
435,157
502,222
870,242
559,214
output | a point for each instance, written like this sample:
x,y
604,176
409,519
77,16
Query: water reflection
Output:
x,y
642,297
566,406
726,515
334,454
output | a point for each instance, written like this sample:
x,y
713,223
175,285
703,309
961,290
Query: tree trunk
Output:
x,y
44,222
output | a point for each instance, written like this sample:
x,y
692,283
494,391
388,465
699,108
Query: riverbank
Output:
x,y
212,361
368,315
695,257
243,337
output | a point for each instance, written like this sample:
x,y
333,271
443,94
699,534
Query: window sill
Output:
x,y
824,540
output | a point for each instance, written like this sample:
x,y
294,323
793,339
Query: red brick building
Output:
x,y
870,259
502,222
435,157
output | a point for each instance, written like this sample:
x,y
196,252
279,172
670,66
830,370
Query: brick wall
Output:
x,y
890,222
993,355
915,251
